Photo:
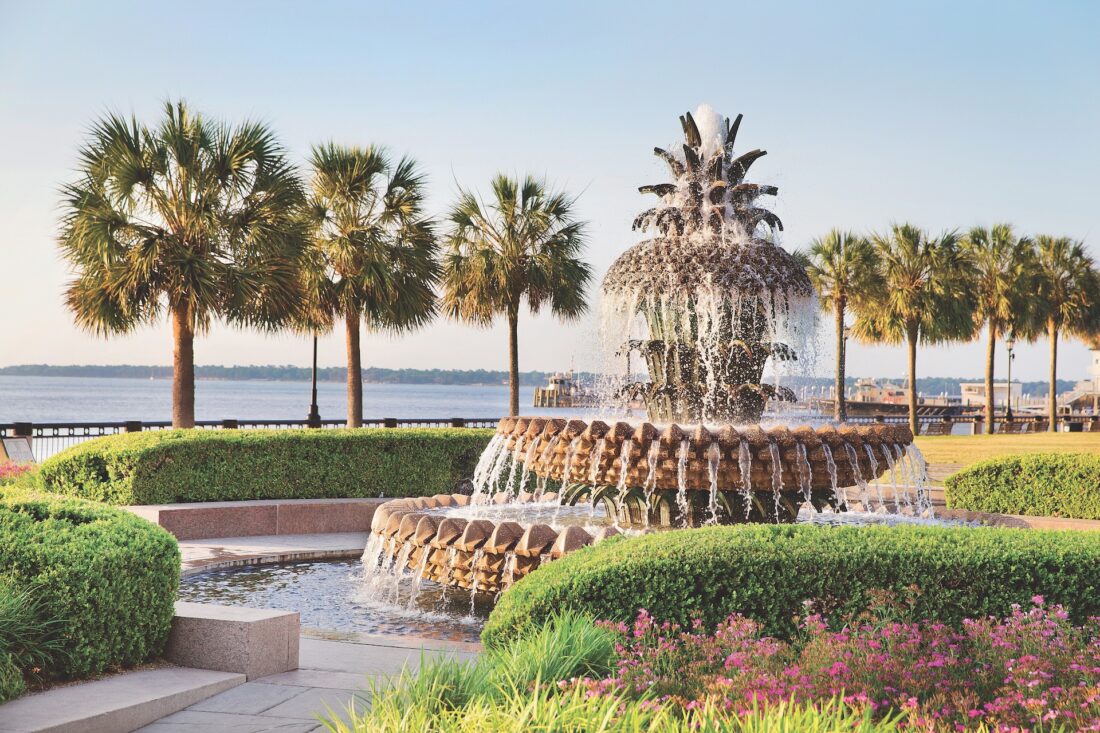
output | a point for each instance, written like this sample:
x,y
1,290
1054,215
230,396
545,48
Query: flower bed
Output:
x,y
162,467
515,690
11,472
1032,669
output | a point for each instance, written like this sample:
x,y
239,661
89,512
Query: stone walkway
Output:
x,y
332,676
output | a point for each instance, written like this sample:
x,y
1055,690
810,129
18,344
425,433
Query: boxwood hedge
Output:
x,y
165,467
769,572
103,580
1040,484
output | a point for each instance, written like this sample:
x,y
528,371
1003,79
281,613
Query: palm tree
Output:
x,y
922,298
373,255
1067,287
525,244
843,268
192,216
998,264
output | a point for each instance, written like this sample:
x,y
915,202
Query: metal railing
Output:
x,y
46,439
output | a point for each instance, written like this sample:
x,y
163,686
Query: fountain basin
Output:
x,y
477,554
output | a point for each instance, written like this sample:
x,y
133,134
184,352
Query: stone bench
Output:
x,y
254,642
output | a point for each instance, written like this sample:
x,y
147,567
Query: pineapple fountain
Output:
x,y
707,302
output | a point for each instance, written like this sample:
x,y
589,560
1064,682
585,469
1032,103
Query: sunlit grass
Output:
x,y
967,449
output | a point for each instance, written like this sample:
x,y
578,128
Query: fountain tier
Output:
x,y
675,457
712,298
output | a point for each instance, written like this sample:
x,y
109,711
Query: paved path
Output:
x,y
332,676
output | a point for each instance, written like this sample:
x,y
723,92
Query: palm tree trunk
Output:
x,y
990,354
183,368
355,371
513,361
911,338
1052,398
841,411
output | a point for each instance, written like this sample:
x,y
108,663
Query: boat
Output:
x,y
563,390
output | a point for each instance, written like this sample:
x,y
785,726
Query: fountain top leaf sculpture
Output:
x,y
714,289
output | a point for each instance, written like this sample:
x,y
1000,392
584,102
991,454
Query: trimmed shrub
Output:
x,y
102,580
1040,484
163,467
770,572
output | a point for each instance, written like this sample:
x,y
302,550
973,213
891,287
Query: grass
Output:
x,y
968,449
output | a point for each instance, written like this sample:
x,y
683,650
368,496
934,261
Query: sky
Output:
x,y
944,114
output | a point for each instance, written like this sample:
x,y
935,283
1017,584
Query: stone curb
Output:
x,y
123,702
261,517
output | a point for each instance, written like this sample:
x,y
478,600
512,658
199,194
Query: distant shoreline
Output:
x,y
440,377
284,373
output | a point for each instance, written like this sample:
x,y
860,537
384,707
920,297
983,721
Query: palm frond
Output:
x,y
523,245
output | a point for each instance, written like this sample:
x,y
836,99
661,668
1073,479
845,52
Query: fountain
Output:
x,y
707,302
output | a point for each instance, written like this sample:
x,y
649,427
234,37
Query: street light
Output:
x,y
1010,343
314,419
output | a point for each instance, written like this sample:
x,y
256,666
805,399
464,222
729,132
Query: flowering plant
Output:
x,y
1031,670
10,470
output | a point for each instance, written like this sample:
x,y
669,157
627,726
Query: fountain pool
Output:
x,y
333,599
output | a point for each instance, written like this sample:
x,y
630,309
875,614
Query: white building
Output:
x,y
1085,397
973,393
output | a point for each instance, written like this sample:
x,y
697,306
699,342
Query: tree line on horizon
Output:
x,y
199,220
457,377
912,287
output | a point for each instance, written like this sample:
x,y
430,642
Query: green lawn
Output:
x,y
967,449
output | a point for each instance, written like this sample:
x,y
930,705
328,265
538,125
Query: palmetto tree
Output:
x,y
373,255
1067,288
843,268
193,217
523,245
922,298
998,266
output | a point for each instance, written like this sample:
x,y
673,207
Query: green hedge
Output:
x,y
164,467
768,572
1040,484
103,581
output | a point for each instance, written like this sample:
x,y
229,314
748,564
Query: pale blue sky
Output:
x,y
943,113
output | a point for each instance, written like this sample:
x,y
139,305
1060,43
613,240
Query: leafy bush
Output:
x,y
770,572
516,689
161,467
27,641
101,579
1043,484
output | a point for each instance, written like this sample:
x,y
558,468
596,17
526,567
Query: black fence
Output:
x,y
46,439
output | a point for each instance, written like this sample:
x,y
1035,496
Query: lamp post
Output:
x,y
314,418
1010,343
